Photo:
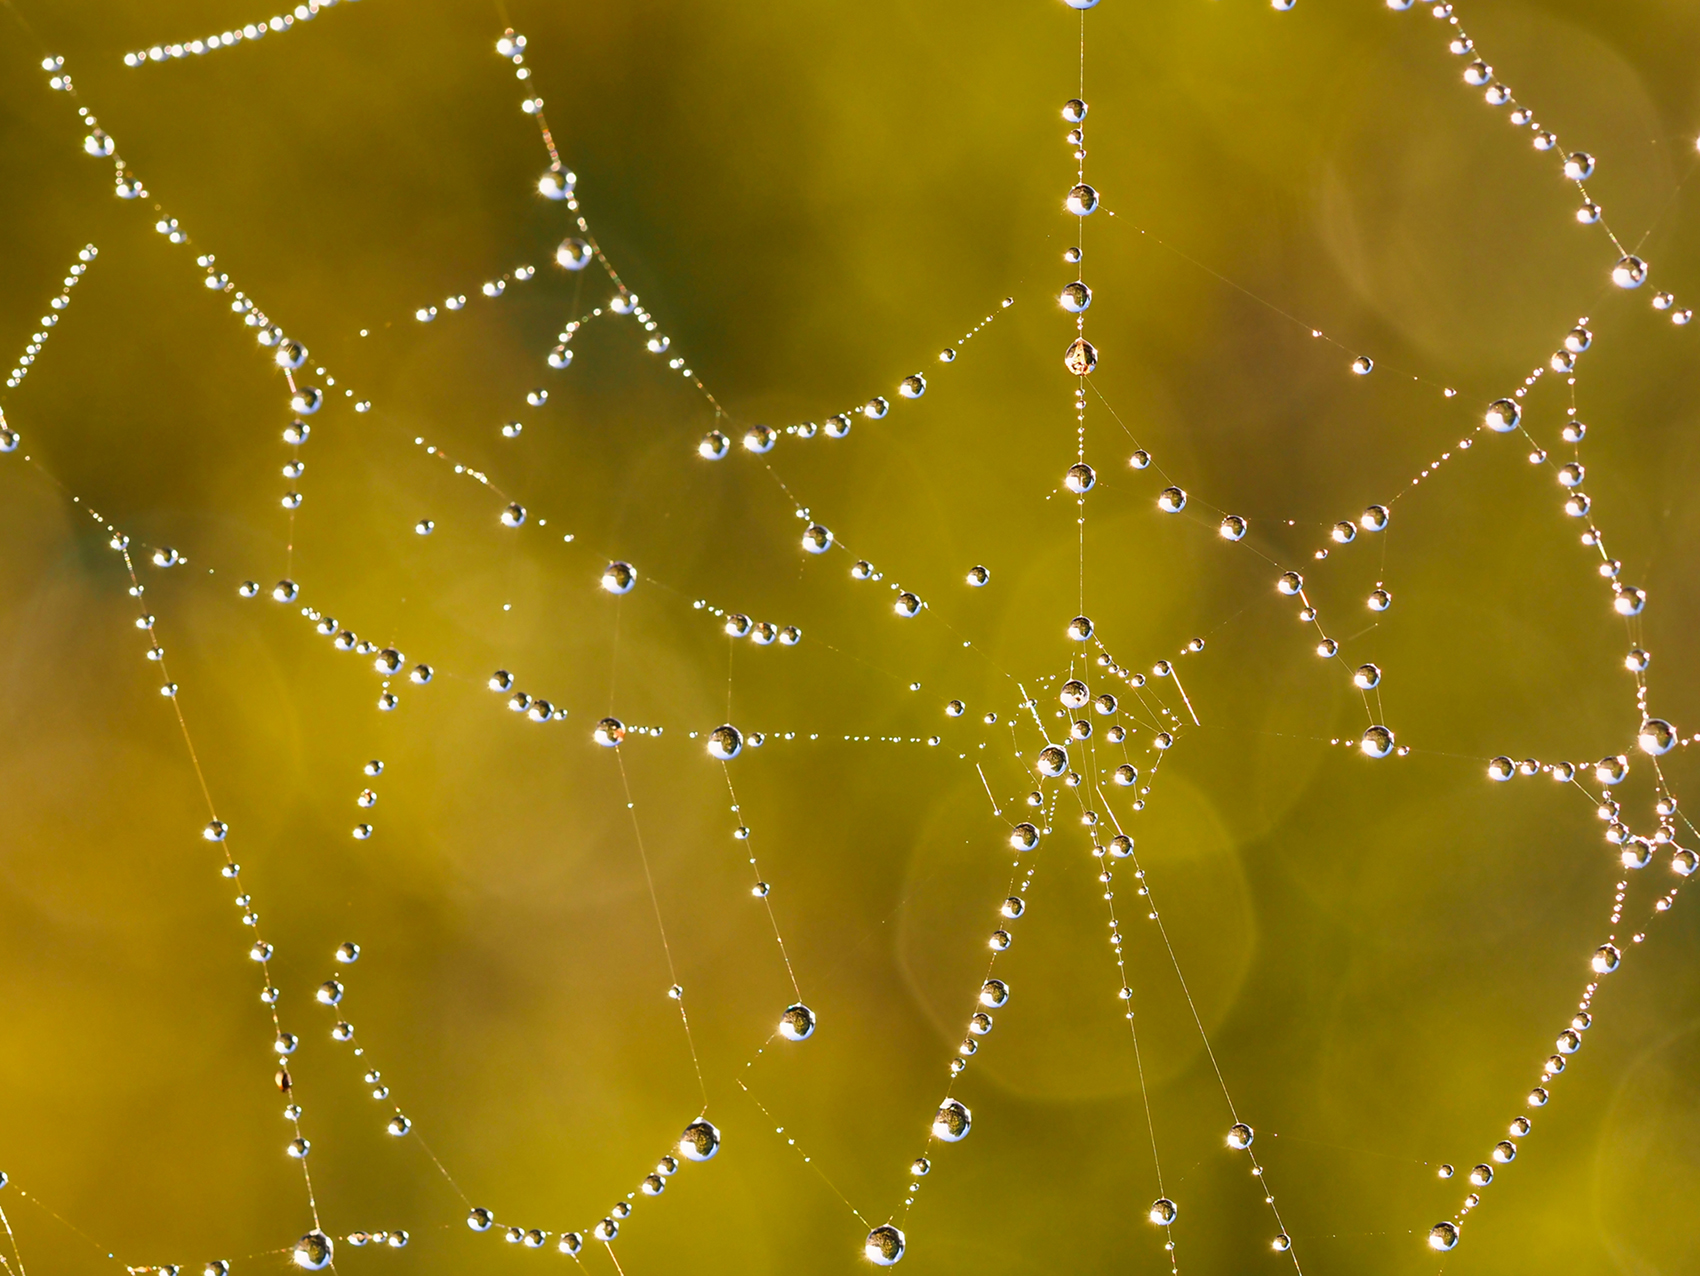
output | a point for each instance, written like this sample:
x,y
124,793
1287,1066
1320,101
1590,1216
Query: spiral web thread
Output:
x,y
1069,763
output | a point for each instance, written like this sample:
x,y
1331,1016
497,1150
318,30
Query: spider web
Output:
x,y
529,909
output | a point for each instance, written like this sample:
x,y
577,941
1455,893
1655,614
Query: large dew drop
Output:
x,y
1377,742
699,1142
953,1121
1503,416
313,1251
1082,200
1080,357
1656,736
573,254
1630,272
557,183
725,742
1024,837
618,578
797,1023
1163,1211
1443,1236
884,1247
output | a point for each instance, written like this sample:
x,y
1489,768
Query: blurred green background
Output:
x,y
813,200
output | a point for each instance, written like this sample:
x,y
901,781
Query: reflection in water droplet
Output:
x,y
953,1121
573,254
700,1141
1081,357
1630,272
313,1252
1443,1236
797,1023
885,1246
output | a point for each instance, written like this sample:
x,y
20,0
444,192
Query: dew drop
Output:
x,y
1503,416
700,1141
1630,272
573,254
1082,200
1081,357
1656,737
619,577
313,1252
797,1023
953,1121
884,1246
